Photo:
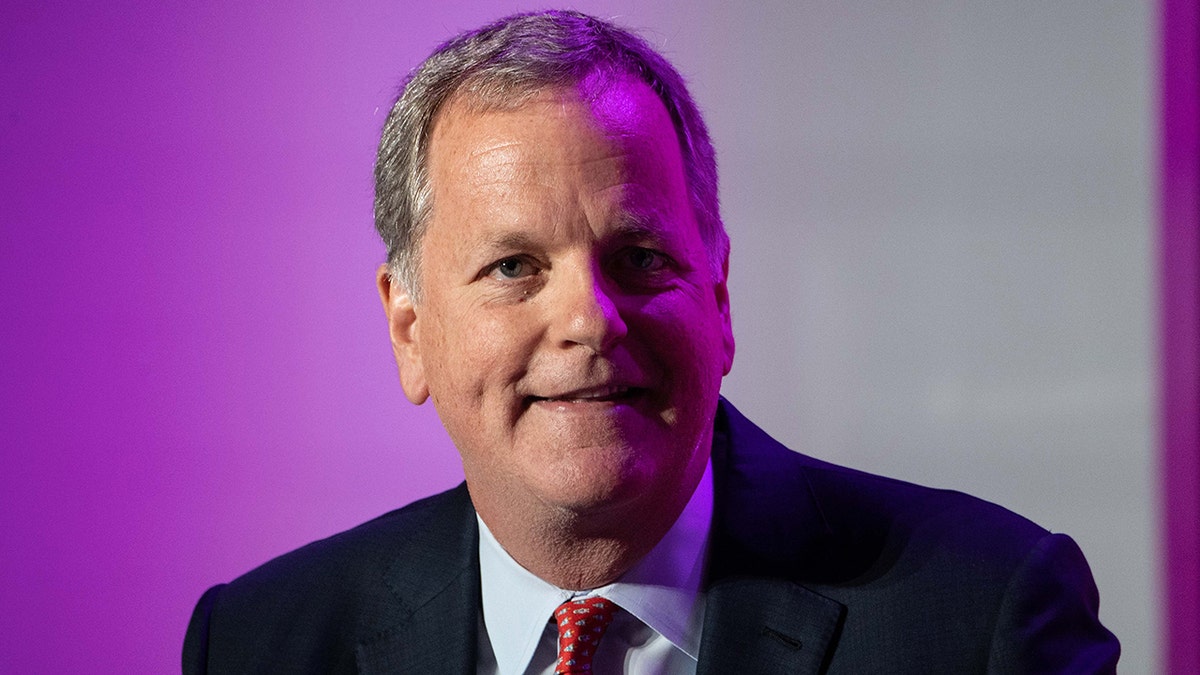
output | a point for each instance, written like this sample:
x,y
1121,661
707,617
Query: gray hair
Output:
x,y
503,64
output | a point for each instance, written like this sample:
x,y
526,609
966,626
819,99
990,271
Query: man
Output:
x,y
556,283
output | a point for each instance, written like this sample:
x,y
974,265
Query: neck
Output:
x,y
582,551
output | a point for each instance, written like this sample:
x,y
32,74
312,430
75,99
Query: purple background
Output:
x,y
195,366
193,360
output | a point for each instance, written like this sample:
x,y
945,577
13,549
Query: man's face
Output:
x,y
570,330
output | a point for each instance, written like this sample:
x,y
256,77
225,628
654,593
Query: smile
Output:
x,y
603,394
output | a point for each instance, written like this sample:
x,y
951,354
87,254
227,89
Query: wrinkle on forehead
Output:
x,y
499,162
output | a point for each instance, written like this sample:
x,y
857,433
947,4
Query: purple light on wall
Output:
x,y
194,366
1179,250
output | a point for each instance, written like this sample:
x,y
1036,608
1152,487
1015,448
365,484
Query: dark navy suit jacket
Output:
x,y
813,568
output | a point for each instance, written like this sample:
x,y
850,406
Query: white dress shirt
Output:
x,y
657,631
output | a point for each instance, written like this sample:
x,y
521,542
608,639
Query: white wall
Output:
x,y
942,230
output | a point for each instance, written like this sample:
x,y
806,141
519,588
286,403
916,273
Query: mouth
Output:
x,y
602,394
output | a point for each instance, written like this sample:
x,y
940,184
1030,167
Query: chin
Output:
x,y
625,490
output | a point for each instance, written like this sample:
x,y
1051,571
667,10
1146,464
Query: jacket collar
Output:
x,y
437,584
767,524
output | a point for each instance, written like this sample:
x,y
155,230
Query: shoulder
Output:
x,y
936,575
317,601
357,559
836,522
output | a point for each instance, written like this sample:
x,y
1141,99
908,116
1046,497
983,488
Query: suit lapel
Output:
x,y
761,626
767,526
436,577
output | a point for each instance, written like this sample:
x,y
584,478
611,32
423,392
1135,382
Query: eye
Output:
x,y
513,267
643,259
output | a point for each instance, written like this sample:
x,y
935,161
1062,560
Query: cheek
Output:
x,y
479,354
684,342
685,330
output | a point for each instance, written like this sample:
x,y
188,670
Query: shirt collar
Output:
x,y
663,589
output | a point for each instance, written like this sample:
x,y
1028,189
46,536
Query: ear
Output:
x,y
722,291
402,326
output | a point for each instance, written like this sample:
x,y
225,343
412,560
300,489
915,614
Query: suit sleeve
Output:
x,y
195,643
1049,620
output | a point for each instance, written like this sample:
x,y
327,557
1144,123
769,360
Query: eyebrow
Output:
x,y
629,225
634,225
509,241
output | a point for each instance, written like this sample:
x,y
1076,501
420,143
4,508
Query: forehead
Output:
x,y
618,114
511,164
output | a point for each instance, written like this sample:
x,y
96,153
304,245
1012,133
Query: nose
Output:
x,y
585,311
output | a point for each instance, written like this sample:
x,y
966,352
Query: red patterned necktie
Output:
x,y
581,624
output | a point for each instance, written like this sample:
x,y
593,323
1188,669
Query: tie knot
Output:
x,y
581,624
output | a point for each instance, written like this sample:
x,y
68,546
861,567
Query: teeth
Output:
x,y
591,394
